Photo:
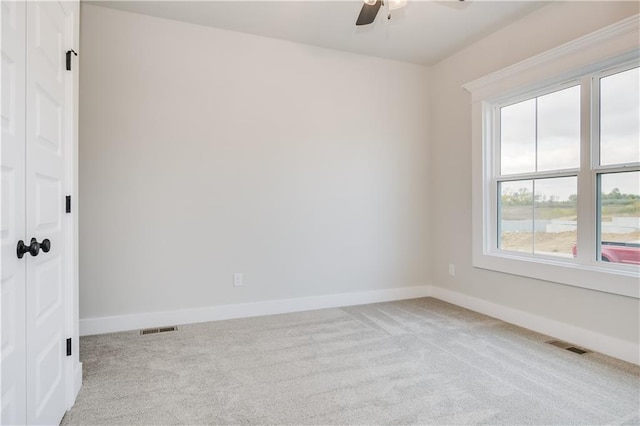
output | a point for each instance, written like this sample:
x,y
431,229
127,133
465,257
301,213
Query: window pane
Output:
x,y
559,130
620,118
620,217
516,216
556,216
518,138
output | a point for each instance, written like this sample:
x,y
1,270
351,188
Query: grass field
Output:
x,y
568,212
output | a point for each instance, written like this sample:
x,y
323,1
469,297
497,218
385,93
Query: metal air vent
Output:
x,y
568,346
158,330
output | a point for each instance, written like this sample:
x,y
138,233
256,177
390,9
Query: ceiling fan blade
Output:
x,y
368,13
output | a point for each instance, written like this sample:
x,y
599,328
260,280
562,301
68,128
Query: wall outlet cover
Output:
x,y
237,279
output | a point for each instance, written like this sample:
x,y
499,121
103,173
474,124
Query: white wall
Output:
x,y
206,152
450,177
314,172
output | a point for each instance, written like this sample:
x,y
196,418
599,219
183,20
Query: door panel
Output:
x,y
12,219
48,121
48,35
48,374
48,203
45,212
48,290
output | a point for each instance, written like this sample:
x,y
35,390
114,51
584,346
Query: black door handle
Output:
x,y
45,245
34,248
22,249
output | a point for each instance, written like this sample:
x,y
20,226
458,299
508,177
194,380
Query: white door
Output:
x,y
12,294
35,171
45,171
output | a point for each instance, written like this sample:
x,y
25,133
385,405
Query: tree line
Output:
x,y
524,197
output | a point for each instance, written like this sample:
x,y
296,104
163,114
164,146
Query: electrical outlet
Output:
x,y
452,269
237,279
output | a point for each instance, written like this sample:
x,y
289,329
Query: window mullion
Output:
x,y
535,139
589,113
533,211
533,185
495,167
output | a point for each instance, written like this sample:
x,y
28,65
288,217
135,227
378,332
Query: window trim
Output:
x,y
600,52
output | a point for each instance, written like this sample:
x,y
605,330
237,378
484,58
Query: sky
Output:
x,y
543,134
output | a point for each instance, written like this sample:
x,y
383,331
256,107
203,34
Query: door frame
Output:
x,y
73,368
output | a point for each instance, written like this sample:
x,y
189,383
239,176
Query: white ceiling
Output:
x,y
423,32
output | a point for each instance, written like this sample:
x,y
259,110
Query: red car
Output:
x,y
617,252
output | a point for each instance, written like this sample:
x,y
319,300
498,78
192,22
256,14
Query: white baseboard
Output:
x,y
608,345
617,348
90,326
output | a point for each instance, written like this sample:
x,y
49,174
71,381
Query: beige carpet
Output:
x,y
419,361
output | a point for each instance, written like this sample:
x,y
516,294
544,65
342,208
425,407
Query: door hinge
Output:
x,y
69,52
69,346
68,204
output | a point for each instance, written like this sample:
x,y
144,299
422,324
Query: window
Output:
x,y
556,164
539,146
618,180
538,169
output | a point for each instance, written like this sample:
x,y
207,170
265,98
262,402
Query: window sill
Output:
x,y
621,281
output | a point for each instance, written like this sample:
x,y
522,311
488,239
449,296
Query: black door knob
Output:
x,y
33,248
45,245
21,249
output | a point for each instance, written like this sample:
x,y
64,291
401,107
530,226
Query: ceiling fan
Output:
x,y
370,9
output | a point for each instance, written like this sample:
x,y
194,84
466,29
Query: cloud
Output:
x,y
620,117
627,182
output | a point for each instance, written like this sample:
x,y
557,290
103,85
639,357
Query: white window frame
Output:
x,y
583,61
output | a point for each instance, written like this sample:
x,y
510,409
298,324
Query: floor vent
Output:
x,y
157,330
568,346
